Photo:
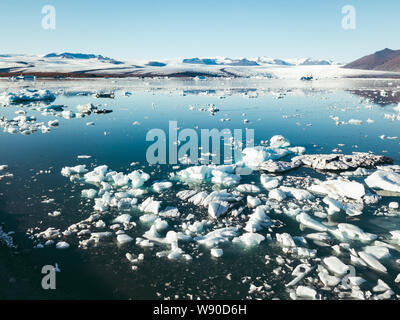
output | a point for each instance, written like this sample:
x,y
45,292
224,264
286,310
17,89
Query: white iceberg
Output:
x,y
162,186
218,236
124,238
150,206
346,231
68,171
384,180
258,220
336,266
123,218
311,223
269,182
217,252
248,188
277,194
216,209
27,95
62,245
306,292
253,202
89,193
372,262
339,189
298,194
249,239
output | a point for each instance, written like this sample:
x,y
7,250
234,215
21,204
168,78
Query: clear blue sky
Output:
x,y
185,28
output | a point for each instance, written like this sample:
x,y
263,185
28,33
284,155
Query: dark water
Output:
x,y
103,272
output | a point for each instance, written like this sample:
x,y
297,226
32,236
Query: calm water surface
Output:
x,y
302,115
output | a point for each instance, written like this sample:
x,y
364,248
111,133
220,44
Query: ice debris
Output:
x,y
26,95
341,162
339,189
384,180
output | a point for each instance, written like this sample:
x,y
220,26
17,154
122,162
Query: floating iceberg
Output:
x,y
269,182
195,173
254,157
150,206
341,162
138,178
223,175
162,186
279,166
285,240
248,188
339,189
124,238
224,178
253,202
250,239
306,292
311,223
384,180
372,262
86,108
69,171
277,194
62,245
27,95
216,209
346,231
89,193
258,220
336,266
218,236
298,194
217,252
123,218
379,252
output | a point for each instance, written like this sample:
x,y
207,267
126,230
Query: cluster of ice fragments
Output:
x,y
341,162
6,239
213,209
26,95
4,174
38,101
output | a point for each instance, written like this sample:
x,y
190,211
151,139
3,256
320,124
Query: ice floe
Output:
x,y
339,189
26,95
258,220
340,162
249,239
216,207
215,252
384,180
336,266
372,262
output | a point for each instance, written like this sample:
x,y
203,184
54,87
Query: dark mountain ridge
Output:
x,y
384,60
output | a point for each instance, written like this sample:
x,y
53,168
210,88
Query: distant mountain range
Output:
x,y
69,55
209,61
246,62
384,60
84,65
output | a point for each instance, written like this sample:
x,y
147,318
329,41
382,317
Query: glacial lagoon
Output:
x,y
129,237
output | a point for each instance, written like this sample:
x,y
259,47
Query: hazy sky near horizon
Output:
x,y
154,29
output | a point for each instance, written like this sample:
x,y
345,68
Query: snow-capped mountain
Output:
x,y
84,56
258,61
92,65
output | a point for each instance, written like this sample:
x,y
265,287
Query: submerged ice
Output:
x,y
241,207
244,215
